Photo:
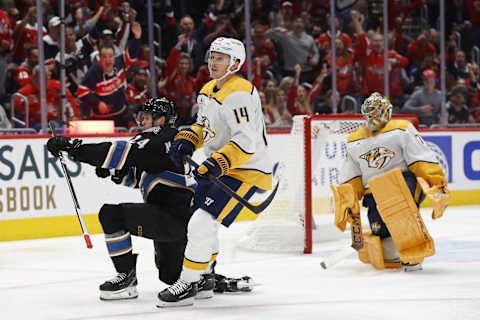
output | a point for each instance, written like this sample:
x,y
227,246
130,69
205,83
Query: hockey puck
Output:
x,y
323,265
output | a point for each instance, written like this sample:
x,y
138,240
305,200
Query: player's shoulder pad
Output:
x,y
396,125
234,85
358,134
207,88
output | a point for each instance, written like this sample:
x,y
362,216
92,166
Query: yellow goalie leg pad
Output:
x,y
402,217
372,253
346,201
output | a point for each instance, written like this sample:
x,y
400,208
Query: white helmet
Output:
x,y
232,47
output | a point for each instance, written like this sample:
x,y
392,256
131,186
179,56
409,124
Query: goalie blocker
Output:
x,y
398,235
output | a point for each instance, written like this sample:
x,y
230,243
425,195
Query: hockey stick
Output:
x,y
357,243
255,208
76,205
337,257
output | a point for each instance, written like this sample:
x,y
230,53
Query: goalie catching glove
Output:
x,y
346,204
438,194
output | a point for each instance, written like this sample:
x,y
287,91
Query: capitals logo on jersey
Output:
x,y
378,157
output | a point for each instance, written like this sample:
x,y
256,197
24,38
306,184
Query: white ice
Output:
x,y
58,279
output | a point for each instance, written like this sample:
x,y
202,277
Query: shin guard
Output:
x,y
402,217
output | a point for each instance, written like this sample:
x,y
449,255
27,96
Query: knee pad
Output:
x,y
201,226
111,218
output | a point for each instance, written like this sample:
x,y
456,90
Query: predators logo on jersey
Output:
x,y
378,157
208,133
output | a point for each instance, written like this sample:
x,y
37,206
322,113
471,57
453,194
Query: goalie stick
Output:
x,y
357,243
76,205
255,208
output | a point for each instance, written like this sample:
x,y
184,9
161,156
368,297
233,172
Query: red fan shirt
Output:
x,y
53,102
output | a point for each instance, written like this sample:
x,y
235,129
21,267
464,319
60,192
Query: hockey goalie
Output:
x,y
389,165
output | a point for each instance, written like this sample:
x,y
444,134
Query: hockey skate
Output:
x,y
407,267
180,293
205,286
123,286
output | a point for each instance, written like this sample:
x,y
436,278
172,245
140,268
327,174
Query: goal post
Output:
x,y
301,213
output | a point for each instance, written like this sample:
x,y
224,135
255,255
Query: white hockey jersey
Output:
x,y
232,123
397,145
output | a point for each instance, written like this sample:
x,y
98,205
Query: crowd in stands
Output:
x,y
107,57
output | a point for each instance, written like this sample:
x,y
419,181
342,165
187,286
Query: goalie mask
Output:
x,y
231,47
377,111
155,108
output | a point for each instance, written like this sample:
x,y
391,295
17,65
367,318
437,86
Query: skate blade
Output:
x,y
180,303
417,267
127,293
206,294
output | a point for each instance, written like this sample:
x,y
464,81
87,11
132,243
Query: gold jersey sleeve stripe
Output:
x,y
235,155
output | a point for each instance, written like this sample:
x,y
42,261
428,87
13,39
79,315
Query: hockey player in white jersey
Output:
x,y
391,167
231,130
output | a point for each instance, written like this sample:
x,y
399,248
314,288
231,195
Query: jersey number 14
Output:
x,y
241,113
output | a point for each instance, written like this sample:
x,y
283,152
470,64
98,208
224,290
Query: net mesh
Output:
x,y
281,227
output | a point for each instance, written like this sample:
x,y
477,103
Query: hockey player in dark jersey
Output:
x,y
143,163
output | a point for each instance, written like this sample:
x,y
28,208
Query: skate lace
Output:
x,y
118,278
178,287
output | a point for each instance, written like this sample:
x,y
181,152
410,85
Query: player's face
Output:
x,y
107,59
218,64
145,120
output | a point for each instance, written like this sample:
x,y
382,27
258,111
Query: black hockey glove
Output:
x,y
102,172
119,175
61,143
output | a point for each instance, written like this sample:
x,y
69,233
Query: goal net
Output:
x,y
302,212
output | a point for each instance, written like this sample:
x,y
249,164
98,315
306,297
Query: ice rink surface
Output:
x,y
58,279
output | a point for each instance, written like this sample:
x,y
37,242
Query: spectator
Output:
x,y
426,102
281,115
137,90
372,58
102,91
50,41
429,62
417,49
269,89
324,41
286,84
345,70
459,67
297,48
457,109
23,73
400,9
324,105
5,46
53,104
282,17
25,35
276,113
77,58
82,24
264,48
180,86
193,44
298,102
